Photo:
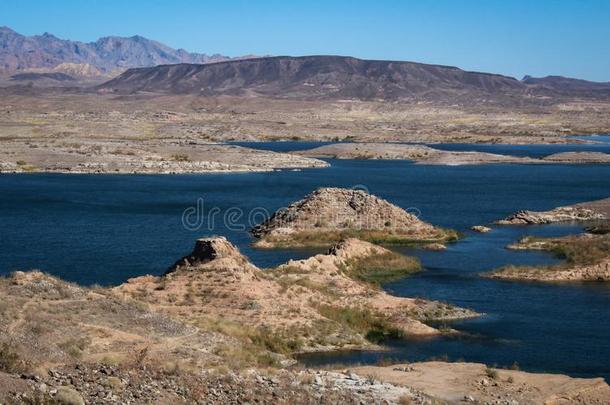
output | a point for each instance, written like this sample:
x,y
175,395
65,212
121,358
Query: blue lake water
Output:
x,y
106,228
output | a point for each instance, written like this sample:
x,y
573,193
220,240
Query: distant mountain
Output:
x,y
60,77
566,84
339,77
20,53
313,77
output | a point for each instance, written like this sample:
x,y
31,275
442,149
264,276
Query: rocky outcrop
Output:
x,y
560,214
480,228
216,252
597,210
330,214
428,155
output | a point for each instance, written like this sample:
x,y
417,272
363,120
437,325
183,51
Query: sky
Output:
x,y
511,37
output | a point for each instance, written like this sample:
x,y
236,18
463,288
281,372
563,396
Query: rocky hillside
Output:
x,y
301,301
108,54
339,77
218,330
329,214
312,76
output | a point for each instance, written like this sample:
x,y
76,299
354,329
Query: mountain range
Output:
x,y
137,64
340,77
107,55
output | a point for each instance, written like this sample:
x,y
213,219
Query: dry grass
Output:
x,y
575,250
326,238
382,268
10,361
373,326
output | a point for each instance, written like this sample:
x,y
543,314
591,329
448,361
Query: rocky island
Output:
x,y
330,214
423,154
581,212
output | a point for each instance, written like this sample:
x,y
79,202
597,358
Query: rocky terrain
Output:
x,y
304,302
429,155
198,331
37,116
587,211
210,331
145,157
474,383
330,214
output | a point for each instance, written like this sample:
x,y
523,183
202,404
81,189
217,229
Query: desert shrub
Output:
x,y
382,268
74,347
180,157
491,373
583,251
10,361
575,251
373,326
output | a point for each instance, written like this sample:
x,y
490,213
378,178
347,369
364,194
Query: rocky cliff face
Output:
x,y
215,251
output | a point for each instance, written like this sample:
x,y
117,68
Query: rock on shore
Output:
x,y
329,214
588,211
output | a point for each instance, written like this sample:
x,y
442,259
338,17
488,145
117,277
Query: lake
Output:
x,y
104,229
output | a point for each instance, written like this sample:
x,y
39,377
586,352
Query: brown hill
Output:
x,y
313,77
339,77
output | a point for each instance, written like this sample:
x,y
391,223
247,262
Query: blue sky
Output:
x,y
513,37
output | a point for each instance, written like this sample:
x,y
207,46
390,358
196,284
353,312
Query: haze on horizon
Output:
x,y
517,38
